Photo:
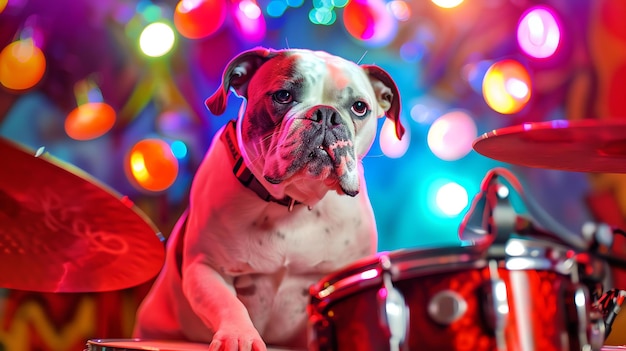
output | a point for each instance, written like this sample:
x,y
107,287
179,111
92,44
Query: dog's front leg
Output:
x,y
212,297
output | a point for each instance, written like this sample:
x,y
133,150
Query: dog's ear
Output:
x,y
236,76
387,95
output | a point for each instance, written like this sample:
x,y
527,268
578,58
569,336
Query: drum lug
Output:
x,y
393,310
590,331
496,305
321,337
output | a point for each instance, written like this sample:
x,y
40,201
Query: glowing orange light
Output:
x,y
507,87
447,4
90,120
195,19
151,165
22,65
3,5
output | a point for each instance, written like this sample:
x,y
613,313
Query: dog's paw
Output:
x,y
237,339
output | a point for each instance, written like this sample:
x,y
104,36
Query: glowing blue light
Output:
x,y
321,4
323,16
295,3
276,8
412,51
179,149
340,3
451,199
152,13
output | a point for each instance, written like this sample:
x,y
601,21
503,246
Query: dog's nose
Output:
x,y
326,114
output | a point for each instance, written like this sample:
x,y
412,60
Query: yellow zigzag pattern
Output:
x,y
16,337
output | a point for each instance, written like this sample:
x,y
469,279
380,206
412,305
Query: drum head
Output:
x,y
152,345
137,344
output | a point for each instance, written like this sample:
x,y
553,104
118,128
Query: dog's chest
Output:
x,y
316,241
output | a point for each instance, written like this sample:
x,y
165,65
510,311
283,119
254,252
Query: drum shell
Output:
x,y
541,312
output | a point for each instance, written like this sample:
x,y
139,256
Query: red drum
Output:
x,y
137,344
525,297
152,345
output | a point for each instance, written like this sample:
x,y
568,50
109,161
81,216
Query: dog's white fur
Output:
x,y
238,268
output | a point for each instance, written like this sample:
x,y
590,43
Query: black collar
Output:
x,y
245,176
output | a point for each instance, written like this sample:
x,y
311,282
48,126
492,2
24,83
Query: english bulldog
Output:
x,y
278,202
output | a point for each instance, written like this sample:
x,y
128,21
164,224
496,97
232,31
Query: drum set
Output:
x,y
520,281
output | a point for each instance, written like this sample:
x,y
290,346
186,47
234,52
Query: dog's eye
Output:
x,y
360,108
282,97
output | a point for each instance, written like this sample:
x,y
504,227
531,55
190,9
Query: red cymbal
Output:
x,y
580,146
63,231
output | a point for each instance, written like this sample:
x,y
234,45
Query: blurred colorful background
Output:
x,y
116,88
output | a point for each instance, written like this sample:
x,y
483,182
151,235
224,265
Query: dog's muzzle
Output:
x,y
319,146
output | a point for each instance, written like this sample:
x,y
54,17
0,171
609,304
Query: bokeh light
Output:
x,y
295,3
451,198
400,9
475,72
149,11
3,5
323,15
157,39
370,21
538,32
447,4
22,65
250,21
412,51
89,121
151,165
276,8
179,149
389,143
507,87
451,136
195,19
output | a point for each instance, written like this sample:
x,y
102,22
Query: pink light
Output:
x,y
450,137
389,143
189,5
538,32
400,9
250,9
370,21
250,21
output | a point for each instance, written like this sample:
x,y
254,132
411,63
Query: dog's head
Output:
x,y
308,118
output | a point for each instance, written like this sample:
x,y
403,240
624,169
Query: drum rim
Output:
x,y
122,343
409,263
94,342
352,277
395,256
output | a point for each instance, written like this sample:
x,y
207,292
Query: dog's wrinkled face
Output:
x,y
310,117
